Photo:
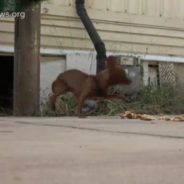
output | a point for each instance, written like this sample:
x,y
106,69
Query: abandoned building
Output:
x,y
146,35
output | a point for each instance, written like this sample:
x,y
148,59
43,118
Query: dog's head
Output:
x,y
117,74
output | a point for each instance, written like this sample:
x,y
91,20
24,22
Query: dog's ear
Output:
x,y
111,62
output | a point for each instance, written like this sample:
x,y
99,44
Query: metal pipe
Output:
x,y
97,41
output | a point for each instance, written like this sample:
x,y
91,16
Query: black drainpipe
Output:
x,y
98,43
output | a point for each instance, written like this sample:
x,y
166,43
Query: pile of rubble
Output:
x,y
131,115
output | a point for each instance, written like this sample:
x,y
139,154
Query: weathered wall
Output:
x,y
179,73
83,62
50,68
128,26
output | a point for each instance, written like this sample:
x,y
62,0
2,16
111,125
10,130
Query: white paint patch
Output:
x,y
49,70
59,52
83,62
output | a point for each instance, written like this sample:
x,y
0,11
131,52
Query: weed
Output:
x,y
165,99
65,106
150,100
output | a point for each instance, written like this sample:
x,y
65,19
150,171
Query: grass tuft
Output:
x,y
150,100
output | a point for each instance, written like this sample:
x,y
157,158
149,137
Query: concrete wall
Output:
x,y
50,69
179,73
83,62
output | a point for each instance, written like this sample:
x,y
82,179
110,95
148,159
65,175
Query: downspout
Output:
x,y
97,41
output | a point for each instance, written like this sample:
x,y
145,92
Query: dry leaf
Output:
x,y
166,118
178,118
131,115
147,117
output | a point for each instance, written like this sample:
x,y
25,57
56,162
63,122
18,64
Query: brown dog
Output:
x,y
85,86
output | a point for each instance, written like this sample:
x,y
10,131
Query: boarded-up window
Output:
x,y
153,75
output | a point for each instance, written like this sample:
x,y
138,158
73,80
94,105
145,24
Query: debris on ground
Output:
x,y
178,118
146,117
131,115
165,118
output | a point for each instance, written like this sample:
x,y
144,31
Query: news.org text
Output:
x,y
20,15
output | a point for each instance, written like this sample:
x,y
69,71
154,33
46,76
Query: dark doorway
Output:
x,y
6,84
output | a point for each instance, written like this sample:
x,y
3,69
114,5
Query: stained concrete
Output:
x,y
90,151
